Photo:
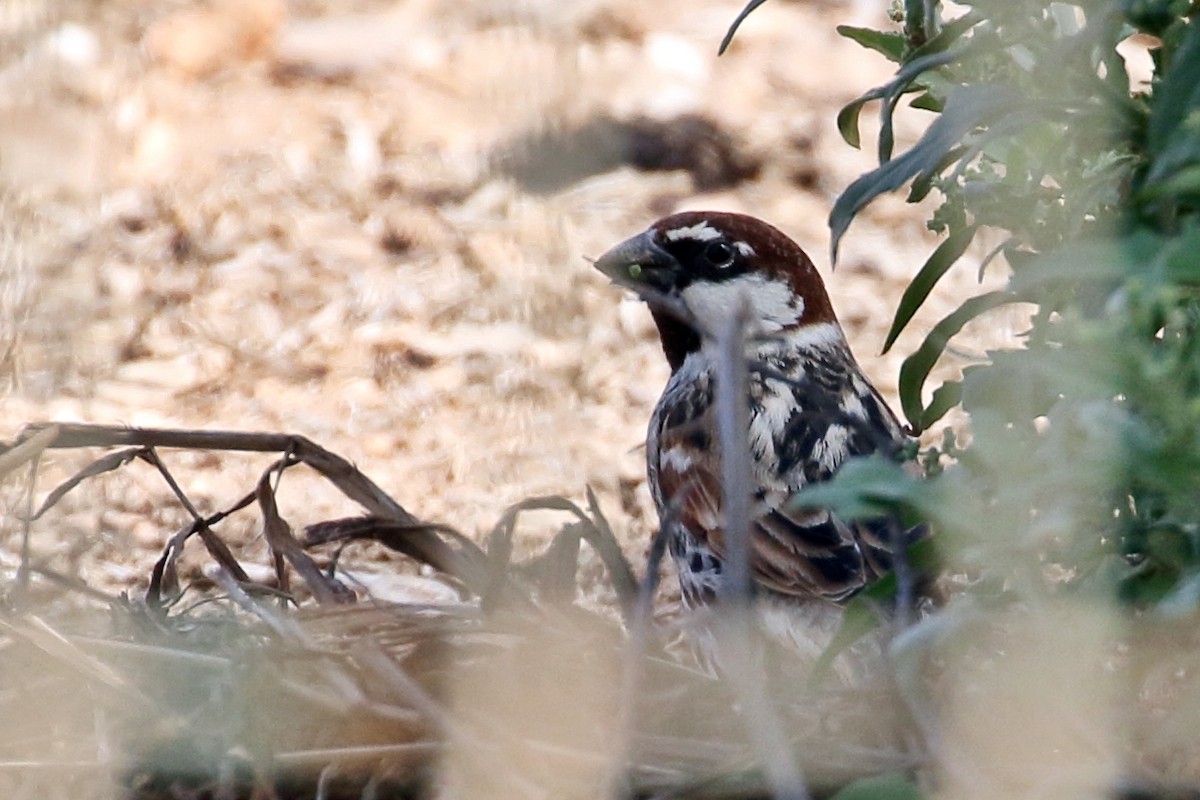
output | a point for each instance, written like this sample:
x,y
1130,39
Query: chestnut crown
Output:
x,y
709,262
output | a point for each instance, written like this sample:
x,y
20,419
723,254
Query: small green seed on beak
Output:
x,y
635,270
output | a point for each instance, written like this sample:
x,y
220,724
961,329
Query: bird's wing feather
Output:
x,y
794,552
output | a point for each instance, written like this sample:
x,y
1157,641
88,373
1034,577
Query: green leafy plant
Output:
x,y
1083,469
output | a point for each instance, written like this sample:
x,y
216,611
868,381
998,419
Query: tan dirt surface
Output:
x,y
368,222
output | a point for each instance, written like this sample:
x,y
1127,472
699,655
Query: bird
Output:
x,y
810,408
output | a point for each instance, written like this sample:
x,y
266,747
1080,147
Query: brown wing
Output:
x,y
795,553
808,553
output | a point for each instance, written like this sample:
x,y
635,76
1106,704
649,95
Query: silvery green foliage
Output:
x,y
1083,471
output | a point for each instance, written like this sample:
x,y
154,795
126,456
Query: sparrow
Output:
x,y
810,408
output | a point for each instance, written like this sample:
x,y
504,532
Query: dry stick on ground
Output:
x,y
487,575
297,450
388,521
338,470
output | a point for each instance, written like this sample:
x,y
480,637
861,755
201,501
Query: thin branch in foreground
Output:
x,y
739,649
733,424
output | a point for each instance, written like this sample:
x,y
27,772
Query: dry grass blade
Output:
x,y
164,584
390,690
221,552
632,666
98,467
439,546
284,627
352,483
595,531
327,590
555,568
164,579
27,450
172,657
624,581
151,457
417,751
73,584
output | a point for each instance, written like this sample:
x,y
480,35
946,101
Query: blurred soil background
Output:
x,y
367,222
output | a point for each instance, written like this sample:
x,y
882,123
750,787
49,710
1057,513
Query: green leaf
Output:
x,y
1095,261
1173,129
890,43
966,109
847,118
887,122
1179,261
1178,94
923,183
945,397
892,786
916,367
865,487
927,102
1184,180
950,33
919,288
859,619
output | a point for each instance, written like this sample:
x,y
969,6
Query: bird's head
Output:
x,y
698,268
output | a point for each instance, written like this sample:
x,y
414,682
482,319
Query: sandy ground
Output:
x,y
367,222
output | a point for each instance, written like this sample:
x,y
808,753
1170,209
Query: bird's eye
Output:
x,y
719,253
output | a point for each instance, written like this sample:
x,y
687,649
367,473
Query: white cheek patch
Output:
x,y
700,232
772,302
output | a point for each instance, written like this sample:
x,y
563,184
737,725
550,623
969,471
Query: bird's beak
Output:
x,y
640,263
